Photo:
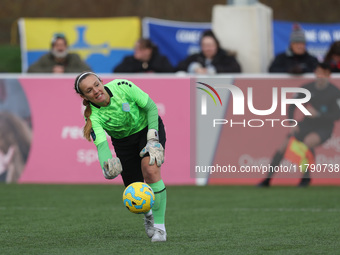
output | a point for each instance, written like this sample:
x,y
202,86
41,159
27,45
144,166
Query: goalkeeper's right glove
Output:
x,y
112,168
154,148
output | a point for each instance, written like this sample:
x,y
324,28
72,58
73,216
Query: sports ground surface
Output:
x,y
91,219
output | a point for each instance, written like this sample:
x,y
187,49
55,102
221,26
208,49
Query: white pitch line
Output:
x,y
336,210
27,208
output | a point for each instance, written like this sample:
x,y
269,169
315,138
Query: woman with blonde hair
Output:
x,y
130,117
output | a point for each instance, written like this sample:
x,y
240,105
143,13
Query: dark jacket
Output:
x,y
222,61
157,64
72,64
288,62
335,66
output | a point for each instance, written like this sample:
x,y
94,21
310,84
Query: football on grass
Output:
x,y
138,197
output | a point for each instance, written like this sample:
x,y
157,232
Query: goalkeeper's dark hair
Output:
x,y
87,112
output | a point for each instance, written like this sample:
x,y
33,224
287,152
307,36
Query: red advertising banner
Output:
x,y
248,142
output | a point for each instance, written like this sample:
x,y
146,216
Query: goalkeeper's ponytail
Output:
x,y
87,113
88,125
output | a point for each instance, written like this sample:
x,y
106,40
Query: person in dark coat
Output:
x,y
146,59
212,59
296,59
333,57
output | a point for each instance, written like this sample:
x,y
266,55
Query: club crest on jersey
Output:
x,y
126,107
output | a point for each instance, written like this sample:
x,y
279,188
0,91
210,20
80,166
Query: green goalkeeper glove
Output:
x,y
154,148
112,168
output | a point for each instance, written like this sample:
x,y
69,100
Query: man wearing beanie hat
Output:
x,y
297,35
296,59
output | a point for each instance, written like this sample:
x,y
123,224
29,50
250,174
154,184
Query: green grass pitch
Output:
x,y
91,219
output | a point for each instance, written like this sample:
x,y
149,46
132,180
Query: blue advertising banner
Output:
x,y
174,39
319,36
177,40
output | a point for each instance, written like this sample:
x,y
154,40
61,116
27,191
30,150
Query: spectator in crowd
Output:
x,y
333,57
212,59
296,59
59,60
146,59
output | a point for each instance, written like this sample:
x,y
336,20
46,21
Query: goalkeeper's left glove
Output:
x,y
155,149
112,168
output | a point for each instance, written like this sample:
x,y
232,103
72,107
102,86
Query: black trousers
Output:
x,y
127,150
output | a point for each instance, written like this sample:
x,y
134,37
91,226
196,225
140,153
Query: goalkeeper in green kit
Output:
x,y
129,116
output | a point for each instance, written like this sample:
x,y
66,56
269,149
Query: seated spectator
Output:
x,y
333,57
59,60
212,59
296,59
146,59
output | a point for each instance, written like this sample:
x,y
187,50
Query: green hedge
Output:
x,y
10,59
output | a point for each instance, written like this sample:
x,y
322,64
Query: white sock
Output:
x,y
160,226
148,214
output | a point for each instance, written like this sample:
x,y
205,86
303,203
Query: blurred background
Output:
x,y
41,124
177,10
248,37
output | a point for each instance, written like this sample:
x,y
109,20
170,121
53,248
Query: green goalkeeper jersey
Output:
x,y
130,110
124,115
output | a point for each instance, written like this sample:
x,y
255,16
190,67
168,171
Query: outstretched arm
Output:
x,y
111,167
